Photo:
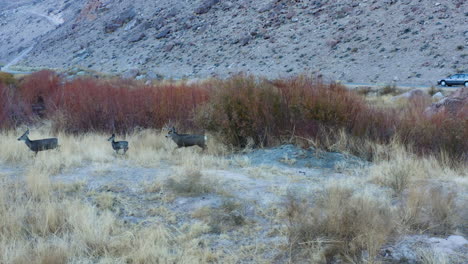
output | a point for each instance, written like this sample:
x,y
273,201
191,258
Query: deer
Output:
x,y
118,145
187,140
40,144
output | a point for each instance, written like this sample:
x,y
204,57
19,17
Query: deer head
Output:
x,y
24,136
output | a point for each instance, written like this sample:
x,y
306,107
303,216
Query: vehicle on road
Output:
x,y
456,79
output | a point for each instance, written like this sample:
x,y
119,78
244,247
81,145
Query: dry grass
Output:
x,y
429,210
46,222
223,219
351,220
345,223
37,227
147,148
433,257
191,183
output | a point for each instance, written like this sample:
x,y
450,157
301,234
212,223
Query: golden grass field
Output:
x,y
346,214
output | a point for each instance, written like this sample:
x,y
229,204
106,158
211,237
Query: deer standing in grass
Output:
x,y
40,144
118,145
187,140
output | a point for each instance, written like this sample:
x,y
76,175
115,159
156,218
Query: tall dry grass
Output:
x,y
399,194
345,223
37,227
147,148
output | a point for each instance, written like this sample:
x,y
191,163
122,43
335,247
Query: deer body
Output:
x,y
118,145
187,140
40,144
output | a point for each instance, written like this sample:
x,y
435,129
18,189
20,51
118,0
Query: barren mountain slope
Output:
x,y
405,41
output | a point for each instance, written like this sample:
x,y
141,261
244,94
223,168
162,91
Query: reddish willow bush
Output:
x,y
265,111
244,107
4,113
11,111
239,108
89,104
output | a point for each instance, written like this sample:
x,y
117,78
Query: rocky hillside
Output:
x,y
406,41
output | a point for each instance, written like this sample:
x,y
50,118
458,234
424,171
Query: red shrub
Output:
x,y
4,105
39,88
244,107
89,104
11,111
433,135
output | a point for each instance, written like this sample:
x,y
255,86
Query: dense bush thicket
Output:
x,y
240,109
84,105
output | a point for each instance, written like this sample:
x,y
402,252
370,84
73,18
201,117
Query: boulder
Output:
x,y
131,74
120,20
455,104
126,16
163,34
153,76
227,5
136,36
266,7
205,6
158,23
111,27
438,96
415,94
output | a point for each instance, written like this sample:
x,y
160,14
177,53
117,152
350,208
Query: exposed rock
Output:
x,y
126,16
119,21
111,27
438,96
266,7
205,6
172,13
227,5
146,25
169,47
158,23
152,76
412,95
455,104
135,37
131,74
140,77
243,40
164,33
390,2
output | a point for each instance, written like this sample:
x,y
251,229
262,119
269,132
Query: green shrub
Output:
x,y
389,89
7,78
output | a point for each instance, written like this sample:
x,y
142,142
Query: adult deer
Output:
x,y
40,144
187,140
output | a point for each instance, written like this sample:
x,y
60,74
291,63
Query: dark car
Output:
x,y
456,79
